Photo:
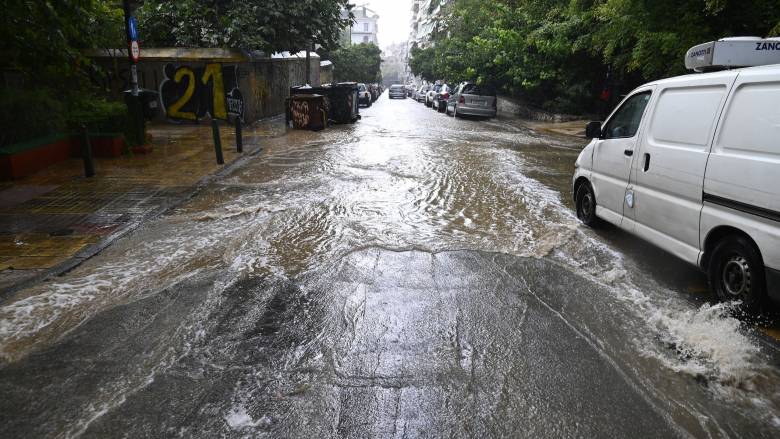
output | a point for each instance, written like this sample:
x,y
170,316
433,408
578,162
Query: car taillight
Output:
x,y
462,100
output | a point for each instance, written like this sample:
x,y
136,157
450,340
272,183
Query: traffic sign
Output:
x,y
132,29
135,50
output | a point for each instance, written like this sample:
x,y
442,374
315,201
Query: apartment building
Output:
x,y
425,18
365,27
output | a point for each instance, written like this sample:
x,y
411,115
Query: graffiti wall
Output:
x,y
196,84
193,93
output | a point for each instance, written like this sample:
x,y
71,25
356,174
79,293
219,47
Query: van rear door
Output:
x,y
669,167
742,182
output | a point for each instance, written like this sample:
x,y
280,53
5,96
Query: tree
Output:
x,y
358,63
42,40
421,63
563,54
269,25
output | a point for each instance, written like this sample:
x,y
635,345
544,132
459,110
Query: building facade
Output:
x,y
425,19
365,27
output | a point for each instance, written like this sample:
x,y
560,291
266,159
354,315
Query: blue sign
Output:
x,y
132,29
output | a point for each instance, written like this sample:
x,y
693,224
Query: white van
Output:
x,y
692,165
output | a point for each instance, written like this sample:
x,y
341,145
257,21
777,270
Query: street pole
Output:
x,y
133,101
128,35
308,66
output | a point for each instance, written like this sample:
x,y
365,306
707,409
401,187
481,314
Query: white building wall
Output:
x,y
366,26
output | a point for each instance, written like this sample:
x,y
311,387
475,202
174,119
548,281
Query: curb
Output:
x,y
92,250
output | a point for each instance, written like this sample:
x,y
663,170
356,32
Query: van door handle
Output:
x,y
629,152
647,162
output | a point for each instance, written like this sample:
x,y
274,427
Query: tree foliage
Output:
x,y
561,54
270,25
42,40
358,63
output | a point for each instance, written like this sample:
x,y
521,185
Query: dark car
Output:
x,y
470,99
397,91
439,102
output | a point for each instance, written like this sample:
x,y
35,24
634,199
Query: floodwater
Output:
x,y
411,275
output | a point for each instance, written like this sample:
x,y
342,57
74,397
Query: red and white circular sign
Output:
x,y
135,50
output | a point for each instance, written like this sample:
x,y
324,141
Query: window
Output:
x,y
365,39
474,89
625,122
365,27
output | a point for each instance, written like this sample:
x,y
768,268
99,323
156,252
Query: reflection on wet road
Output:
x,y
412,275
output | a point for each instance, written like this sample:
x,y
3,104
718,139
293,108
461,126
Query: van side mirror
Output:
x,y
593,130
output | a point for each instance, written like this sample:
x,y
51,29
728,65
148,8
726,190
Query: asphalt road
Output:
x,y
412,275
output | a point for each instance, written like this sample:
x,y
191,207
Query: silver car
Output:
x,y
397,91
419,95
470,99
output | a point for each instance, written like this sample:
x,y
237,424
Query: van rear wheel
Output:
x,y
585,201
736,273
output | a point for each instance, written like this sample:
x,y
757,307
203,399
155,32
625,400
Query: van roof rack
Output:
x,y
729,53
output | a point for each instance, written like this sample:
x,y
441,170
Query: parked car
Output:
x,y
431,93
692,165
439,102
470,99
410,89
397,91
419,95
364,96
375,92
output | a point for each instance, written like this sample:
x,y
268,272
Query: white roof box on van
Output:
x,y
728,53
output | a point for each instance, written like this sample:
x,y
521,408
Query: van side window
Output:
x,y
625,122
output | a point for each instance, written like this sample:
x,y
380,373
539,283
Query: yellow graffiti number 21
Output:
x,y
173,110
214,71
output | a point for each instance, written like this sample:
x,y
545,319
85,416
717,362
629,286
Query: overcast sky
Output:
x,y
394,17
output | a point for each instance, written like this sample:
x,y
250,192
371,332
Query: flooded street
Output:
x,y
411,275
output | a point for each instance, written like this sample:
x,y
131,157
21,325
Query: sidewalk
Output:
x,y
53,220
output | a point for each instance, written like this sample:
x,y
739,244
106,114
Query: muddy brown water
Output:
x,y
412,275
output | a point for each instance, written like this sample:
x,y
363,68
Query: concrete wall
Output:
x,y
509,107
326,73
263,82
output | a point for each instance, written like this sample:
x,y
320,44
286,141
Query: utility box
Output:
x,y
149,102
729,53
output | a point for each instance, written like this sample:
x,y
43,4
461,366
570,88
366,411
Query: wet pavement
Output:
x,y
56,218
412,275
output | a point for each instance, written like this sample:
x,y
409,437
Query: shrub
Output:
x,y
29,114
100,116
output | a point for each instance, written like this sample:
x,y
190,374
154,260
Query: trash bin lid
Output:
x,y
307,97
